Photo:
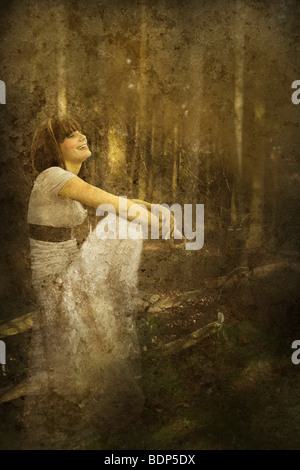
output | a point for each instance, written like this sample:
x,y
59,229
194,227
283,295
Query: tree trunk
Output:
x,y
176,163
61,62
239,37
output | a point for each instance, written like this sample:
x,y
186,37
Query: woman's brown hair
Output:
x,y
45,149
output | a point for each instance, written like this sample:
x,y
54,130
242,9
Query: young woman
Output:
x,y
84,372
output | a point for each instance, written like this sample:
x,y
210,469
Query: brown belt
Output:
x,y
50,234
60,234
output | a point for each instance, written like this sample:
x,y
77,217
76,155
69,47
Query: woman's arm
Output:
x,y
92,196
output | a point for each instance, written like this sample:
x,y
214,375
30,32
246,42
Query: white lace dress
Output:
x,y
85,371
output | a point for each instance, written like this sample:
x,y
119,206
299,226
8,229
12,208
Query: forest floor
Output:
x,y
237,389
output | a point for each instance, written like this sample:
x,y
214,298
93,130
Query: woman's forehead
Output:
x,y
66,128
71,126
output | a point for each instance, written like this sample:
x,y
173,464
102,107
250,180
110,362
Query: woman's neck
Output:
x,y
73,167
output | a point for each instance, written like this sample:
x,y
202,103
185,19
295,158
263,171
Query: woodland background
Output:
x,y
186,102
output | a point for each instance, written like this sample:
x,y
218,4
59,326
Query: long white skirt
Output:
x,y
85,372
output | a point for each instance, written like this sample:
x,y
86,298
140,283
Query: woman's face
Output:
x,y
74,148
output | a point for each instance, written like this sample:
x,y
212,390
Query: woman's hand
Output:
x,y
167,223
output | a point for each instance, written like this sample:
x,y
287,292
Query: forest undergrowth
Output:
x,y
237,389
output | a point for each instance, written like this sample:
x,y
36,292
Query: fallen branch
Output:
x,y
12,393
25,322
193,338
16,326
281,279
169,302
